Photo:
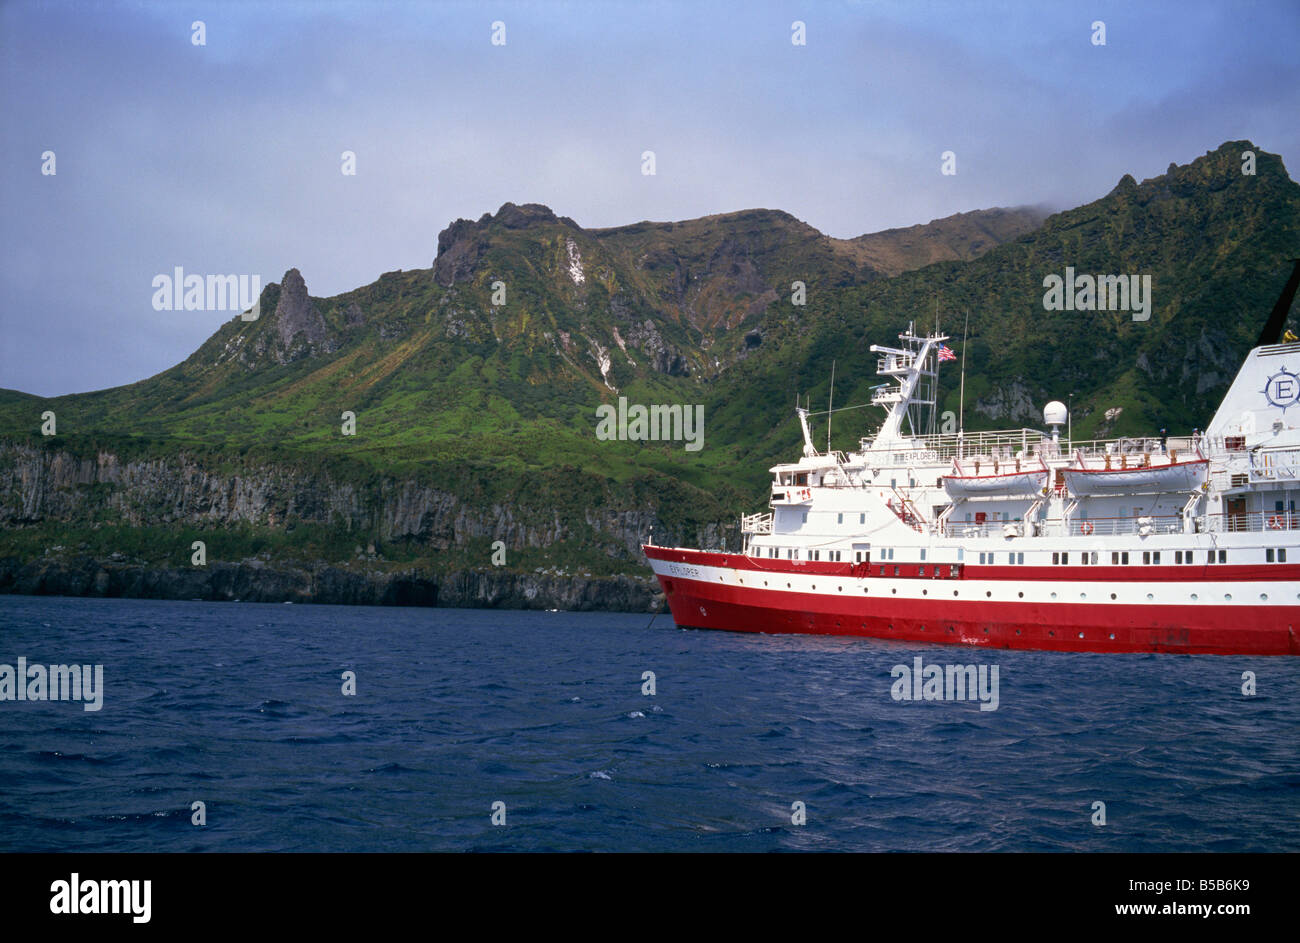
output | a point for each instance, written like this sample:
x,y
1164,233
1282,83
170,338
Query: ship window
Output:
x,y
1094,556
1146,557
1187,557
893,482
1114,557
1268,555
1223,556
1155,557
839,518
805,518
1123,558
961,554
921,572
882,571
1065,559
895,571
857,556
862,518
1281,556
1020,559
789,553
922,554
1209,557
1056,558
1178,556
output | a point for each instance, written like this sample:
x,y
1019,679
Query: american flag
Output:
x,y
945,353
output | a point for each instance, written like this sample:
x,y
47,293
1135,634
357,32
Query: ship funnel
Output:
x,y
1272,332
1258,404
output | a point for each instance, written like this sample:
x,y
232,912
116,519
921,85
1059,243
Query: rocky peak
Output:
x,y
295,314
462,244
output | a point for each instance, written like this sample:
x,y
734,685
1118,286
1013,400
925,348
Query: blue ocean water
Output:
x,y
240,706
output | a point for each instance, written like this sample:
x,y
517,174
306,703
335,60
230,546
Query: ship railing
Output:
x,y
894,363
1121,526
760,523
1055,526
1004,444
1029,444
1253,521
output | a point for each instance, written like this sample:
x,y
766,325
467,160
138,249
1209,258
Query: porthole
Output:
x,y
925,592
1083,595
988,592
1080,635
1112,595
1263,597
1053,595
954,592
894,591
1150,596
1021,595
1195,597
1017,631
1052,633
1112,636
1227,597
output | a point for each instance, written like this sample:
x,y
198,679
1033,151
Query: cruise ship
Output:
x,y
1025,538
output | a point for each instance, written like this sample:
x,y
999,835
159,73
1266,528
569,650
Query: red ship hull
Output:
x,y
1202,628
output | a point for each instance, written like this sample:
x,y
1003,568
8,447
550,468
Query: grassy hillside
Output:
x,y
495,403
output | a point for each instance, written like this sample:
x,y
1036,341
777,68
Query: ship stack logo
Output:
x,y
1282,389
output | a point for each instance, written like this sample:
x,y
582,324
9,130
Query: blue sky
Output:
x,y
225,158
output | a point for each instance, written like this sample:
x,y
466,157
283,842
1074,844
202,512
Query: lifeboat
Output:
x,y
960,485
1150,479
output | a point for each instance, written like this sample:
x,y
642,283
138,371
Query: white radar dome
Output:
x,y
1055,413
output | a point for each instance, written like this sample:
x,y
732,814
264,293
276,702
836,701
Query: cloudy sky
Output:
x,y
226,157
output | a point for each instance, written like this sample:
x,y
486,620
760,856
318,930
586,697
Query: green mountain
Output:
x,y
474,387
